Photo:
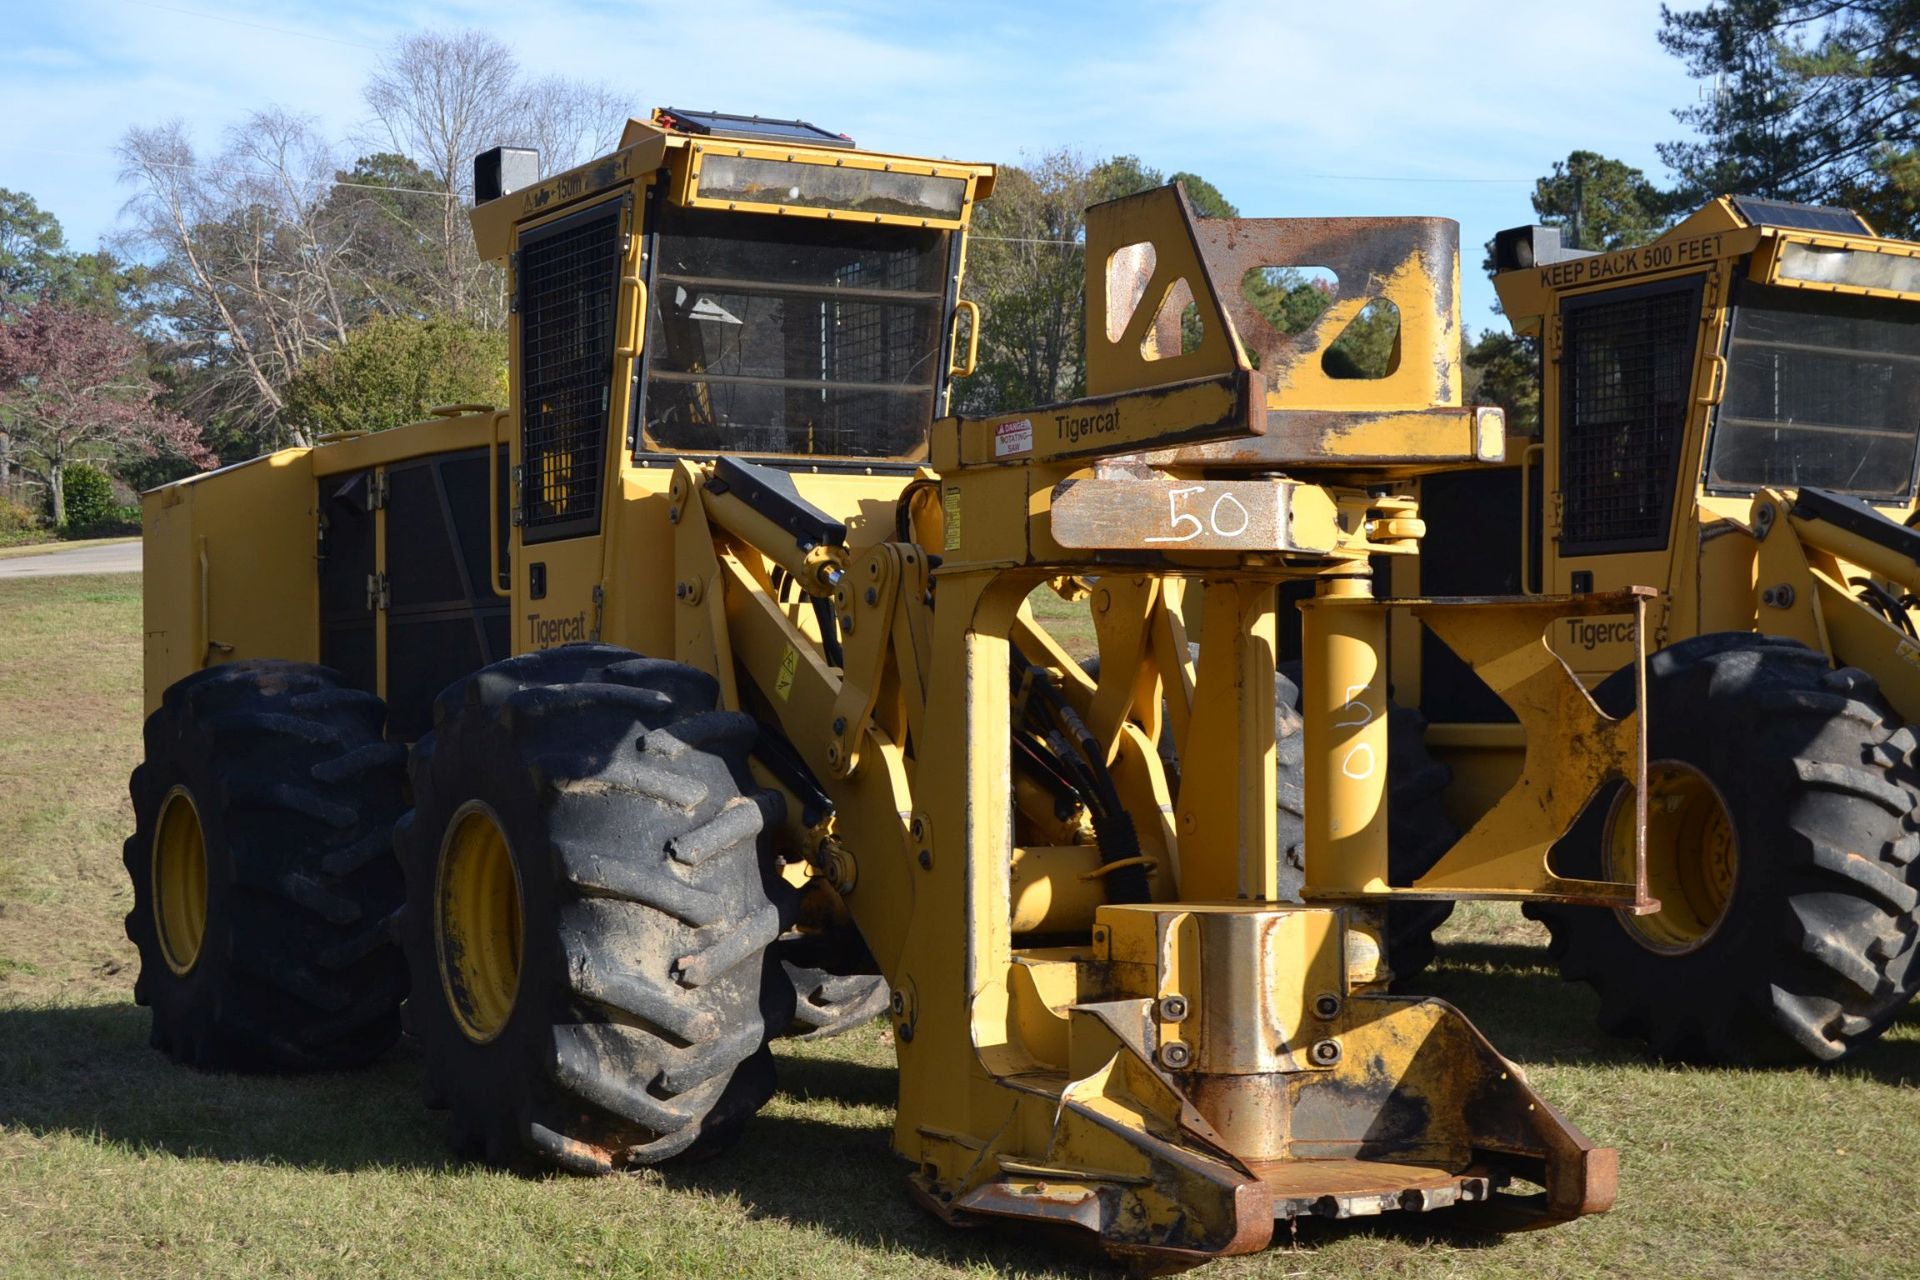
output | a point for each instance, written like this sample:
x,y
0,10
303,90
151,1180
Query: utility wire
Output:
x,y
357,44
203,167
257,26
1444,180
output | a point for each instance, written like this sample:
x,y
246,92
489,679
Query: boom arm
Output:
x,y
1129,1028
1836,575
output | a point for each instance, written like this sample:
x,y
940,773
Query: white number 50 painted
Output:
x,y
1227,518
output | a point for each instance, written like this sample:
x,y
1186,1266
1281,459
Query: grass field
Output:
x,y
114,1162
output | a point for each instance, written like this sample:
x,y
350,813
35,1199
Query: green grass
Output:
x,y
115,1162
1069,621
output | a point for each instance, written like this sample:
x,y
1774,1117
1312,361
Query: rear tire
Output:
x,y
263,871
829,1004
629,1024
1804,947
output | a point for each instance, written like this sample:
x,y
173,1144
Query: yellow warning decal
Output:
x,y
789,663
950,503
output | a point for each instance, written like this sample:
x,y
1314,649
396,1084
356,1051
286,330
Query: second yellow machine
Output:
x,y
1729,413
700,694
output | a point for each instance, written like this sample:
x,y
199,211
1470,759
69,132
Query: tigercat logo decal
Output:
x,y
1591,635
548,632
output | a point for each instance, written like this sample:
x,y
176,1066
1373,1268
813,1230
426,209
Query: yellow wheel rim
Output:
x,y
179,881
478,922
1693,857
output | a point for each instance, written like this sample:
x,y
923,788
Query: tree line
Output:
x,y
1811,101
284,284
278,286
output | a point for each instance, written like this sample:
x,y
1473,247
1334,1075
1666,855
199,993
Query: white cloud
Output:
x,y
1265,99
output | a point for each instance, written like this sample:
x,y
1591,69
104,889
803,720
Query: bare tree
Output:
x,y
249,261
571,121
271,252
440,99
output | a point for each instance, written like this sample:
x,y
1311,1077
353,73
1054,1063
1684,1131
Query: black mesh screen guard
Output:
x,y
1626,368
568,294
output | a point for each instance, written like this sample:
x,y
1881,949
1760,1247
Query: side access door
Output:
x,y
576,296
1625,395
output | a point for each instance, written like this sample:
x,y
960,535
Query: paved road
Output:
x,y
123,557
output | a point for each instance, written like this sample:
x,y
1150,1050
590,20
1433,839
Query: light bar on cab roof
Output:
x,y
793,185
1808,264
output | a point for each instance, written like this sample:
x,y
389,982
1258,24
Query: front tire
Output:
x,y
1782,846
263,872
588,908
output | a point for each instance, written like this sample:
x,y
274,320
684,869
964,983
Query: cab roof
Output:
x,y
673,145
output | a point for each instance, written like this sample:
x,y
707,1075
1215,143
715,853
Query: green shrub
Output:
x,y
20,525
89,495
17,518
395,369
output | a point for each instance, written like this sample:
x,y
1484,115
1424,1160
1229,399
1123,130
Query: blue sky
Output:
x,y
1358,107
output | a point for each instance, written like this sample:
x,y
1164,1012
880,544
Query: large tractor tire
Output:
x,y
1780,843
588,911
828,1004
263,872
1418,829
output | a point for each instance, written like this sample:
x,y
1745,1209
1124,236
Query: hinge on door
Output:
x,y
516,516
378,491
378,594
513,275
599,611
1556,336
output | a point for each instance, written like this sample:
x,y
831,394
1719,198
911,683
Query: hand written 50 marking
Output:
x,y
1358,763
1221,521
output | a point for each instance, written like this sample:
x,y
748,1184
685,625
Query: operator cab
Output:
x,y
801,295
1812,377
1756,344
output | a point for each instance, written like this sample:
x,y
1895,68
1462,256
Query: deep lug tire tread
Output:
x,y
829,1004
638,1031
297,792
1817,952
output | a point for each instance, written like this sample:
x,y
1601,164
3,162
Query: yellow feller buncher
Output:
x,y
1730,414
700,696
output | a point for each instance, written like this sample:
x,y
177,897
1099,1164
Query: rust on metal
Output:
x,y
1363,1188
1362,253
1165,513
1572,750
1400,440
1194,411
